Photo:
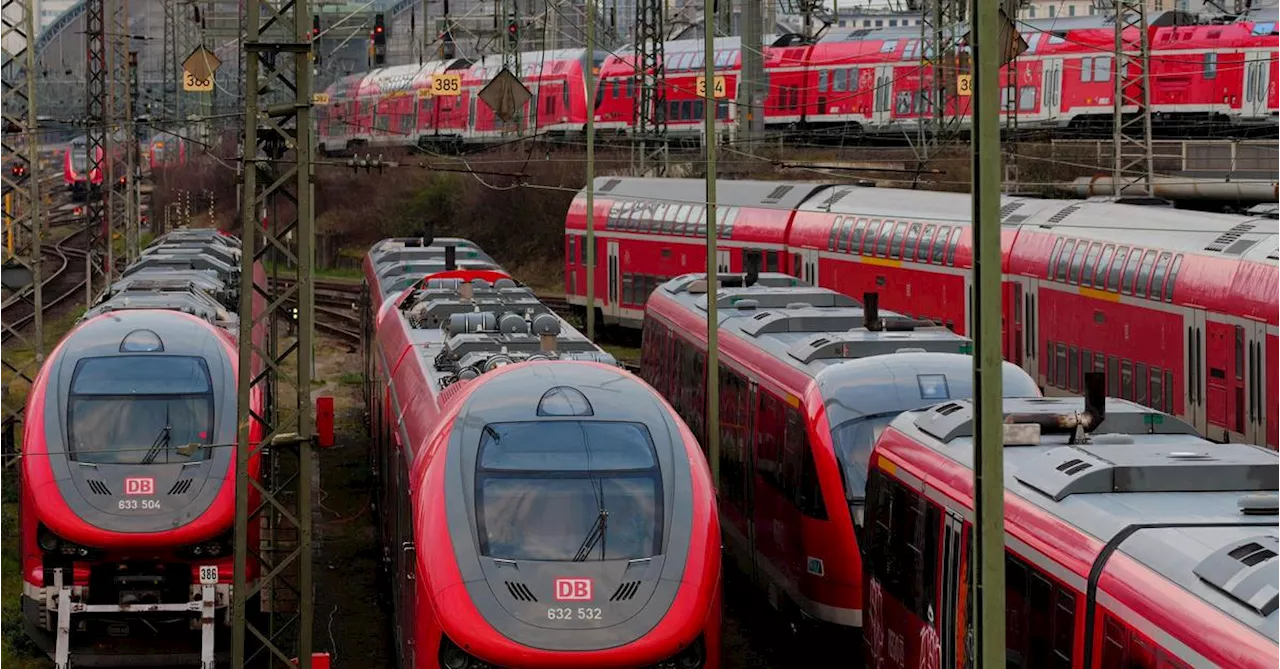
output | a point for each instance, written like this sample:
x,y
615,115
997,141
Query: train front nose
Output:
x,y
141,498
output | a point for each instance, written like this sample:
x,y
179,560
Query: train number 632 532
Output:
x,y
134,504
580,613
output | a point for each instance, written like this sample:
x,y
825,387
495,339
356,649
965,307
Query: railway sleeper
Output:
x,y
60,599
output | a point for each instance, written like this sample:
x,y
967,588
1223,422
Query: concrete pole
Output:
x,y
588,67
713,325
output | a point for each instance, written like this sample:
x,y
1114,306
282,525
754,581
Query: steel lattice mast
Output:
x,y
937,105
277,224
650,157
24,222
98,244
1131,124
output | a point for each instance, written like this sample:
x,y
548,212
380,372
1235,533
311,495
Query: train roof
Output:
x,y
193,272
464,328
1191,504
785,195
412,249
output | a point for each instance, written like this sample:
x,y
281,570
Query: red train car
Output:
x,y
585,533
128,465
1130,541
167,151
808,379
1180,307
77,175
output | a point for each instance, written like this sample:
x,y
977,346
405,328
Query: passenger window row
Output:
x,y
1126,379
1120,269
687,220
636,288
838,81
898,240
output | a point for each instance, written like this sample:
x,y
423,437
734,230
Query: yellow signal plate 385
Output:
x,y
446,85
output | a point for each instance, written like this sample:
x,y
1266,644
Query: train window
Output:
x,y
1113,376
659,222
1239,352
1144,273
1102,68
1064,258
771,261
1130,271
1158,276
855,242
1027,98
1064,616
699,110
686,111
869,240
940,244
1086,364
1140,383
1060,357
572,255
895,244
628,290
1126,379
853,441
846,229
1077,262
1157,390
1053,257
834,234
909,247
1086,69
582,251
1050,369
1210,65
1104,264
730,217
770,433
1090,264
1113,277
1168,392
537,497
682,220
926,242
853,75
838,81
1073,369
953,244
1173,276
882,239
809,489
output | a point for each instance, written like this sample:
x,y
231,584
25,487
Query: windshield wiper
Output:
x,y
595,536
162,441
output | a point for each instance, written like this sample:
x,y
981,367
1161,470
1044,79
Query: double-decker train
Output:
x,y
1203,77
1178,307
808,379
541,506
128,467
1129,540
167,150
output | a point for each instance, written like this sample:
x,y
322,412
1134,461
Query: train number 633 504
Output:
x,y
134,504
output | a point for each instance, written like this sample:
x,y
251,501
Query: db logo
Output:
x,y
140,485
573,589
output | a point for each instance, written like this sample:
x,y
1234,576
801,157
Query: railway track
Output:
x,y
337,310
66,258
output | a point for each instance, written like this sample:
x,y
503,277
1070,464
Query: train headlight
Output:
x,y
213,548
453,657
48,541
691,657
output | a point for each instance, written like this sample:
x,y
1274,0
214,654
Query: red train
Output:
x,y
1130,541
1179,307
1203,78
77,175
167,151
543,507
808,379
129,461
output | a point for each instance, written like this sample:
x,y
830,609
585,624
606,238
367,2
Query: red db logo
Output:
x,y
141,485
573,589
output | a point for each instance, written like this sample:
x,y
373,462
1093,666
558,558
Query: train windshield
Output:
x,y
125,410
79,158
853,442
568,491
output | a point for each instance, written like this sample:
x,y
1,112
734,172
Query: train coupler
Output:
x,y
205,607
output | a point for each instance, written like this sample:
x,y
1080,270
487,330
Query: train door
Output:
x,y
954,625
1256,396
809,264
1256,84
1194,377
612,298
1051,101
967,322
724,263
405,589
1024,298
883,101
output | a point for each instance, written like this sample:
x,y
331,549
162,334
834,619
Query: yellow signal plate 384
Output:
x,y
721,87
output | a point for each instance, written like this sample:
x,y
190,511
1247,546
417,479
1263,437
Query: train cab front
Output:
x,y
582,525
127,485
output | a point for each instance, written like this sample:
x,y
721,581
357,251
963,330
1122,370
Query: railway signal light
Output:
x,y
379,40
513,32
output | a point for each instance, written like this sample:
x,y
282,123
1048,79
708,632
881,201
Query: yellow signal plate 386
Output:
x,y
446,85
721,87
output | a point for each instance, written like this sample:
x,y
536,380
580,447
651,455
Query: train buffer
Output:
x,y
66,607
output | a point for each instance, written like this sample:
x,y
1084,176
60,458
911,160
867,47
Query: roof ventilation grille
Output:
x,y
1063,213
1244,570
1009,209
1228,237
180,487
610,185
777,194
